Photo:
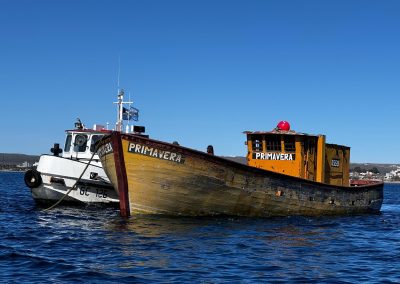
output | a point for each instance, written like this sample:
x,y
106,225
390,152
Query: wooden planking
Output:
x,y
202,186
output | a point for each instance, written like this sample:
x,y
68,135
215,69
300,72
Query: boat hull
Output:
x,y
161,178
57,175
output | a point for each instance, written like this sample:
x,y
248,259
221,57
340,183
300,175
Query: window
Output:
x,y
67,146
257,143
80,143
290,145
95,138
274,143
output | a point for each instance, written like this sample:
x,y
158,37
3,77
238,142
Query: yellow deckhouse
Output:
x,y
298,154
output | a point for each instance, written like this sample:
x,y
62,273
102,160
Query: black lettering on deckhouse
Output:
x,y
156,153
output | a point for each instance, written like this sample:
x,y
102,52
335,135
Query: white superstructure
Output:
x,y
56,174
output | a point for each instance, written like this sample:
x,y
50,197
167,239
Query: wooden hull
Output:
x,y
161,178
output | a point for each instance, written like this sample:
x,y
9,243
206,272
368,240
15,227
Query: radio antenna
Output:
x,y
119,69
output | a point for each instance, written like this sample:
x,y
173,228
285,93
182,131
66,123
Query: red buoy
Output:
x,y
283,125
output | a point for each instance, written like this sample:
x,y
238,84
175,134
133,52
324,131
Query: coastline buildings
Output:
x,y
393,175
387,173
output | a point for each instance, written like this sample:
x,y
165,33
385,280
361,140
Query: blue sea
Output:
x,y
96,245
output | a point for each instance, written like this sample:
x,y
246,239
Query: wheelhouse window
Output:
x,y
80,143
68,140
290,145
95,138
274,143
257,145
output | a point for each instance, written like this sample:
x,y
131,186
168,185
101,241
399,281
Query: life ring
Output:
x,y
32,178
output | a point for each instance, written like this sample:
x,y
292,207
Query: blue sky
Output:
x,y
201,72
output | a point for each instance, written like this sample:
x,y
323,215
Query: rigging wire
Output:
x,y
74,186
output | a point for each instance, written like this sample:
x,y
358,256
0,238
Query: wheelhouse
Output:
x,y
80,144
300,155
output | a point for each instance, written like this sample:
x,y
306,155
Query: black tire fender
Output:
x,y
32,178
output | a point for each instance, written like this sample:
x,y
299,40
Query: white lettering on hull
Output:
x,y
105,149
155,153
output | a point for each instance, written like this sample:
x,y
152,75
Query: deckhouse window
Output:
x,y
257,145
80,143
68,140
95,138
274,143
290,145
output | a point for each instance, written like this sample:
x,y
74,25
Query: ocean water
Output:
x,y
96,245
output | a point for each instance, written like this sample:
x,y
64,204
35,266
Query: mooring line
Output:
x,y
74,186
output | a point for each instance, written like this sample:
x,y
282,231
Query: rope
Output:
x,y
74,186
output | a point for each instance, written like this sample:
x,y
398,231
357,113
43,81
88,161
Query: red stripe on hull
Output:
x,y
121,174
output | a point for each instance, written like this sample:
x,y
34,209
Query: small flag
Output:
x,y
130,114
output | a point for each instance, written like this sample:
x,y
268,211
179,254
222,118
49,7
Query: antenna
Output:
x,y
119,69
120,95
120,102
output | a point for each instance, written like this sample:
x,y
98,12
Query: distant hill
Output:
x,y
382,168
16,159
242,160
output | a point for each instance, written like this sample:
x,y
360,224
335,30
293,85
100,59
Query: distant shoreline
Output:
x,y
12,171
21,171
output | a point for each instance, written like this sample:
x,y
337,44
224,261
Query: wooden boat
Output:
x,y
288,173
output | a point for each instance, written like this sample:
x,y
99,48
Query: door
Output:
x,y
310,154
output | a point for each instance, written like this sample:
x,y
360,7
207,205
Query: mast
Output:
x,y
120,110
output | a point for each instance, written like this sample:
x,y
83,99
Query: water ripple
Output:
x,y
92,245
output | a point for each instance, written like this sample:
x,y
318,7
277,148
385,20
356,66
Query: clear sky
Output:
x,y
202,72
